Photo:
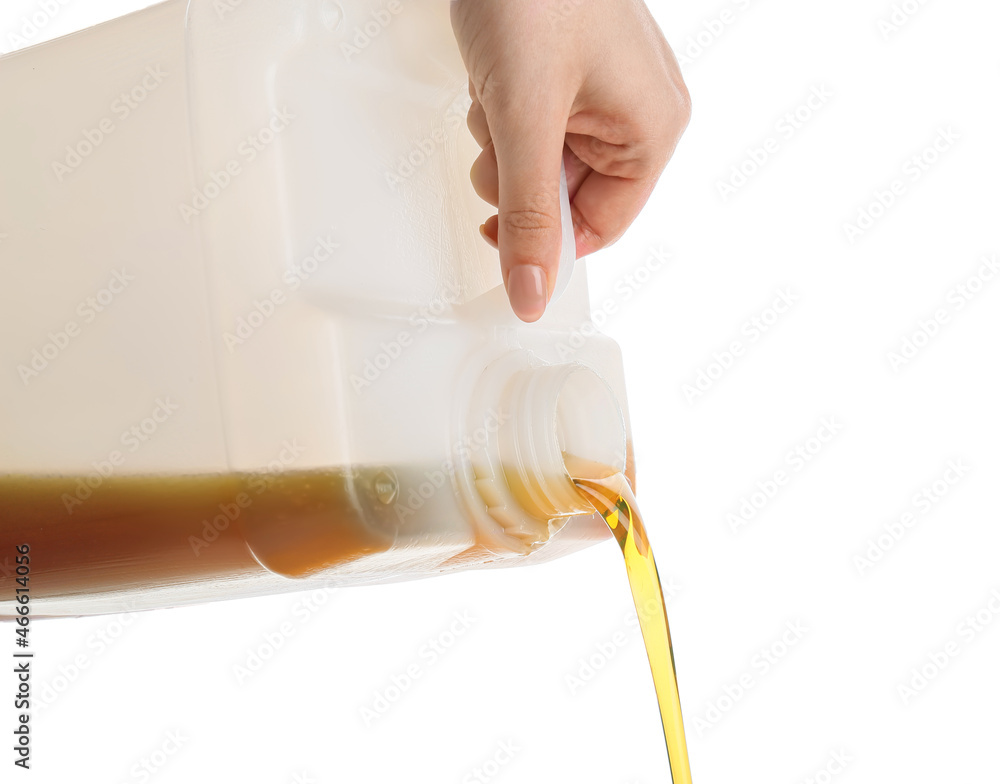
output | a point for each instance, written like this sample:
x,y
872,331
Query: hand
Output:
x,y
593,77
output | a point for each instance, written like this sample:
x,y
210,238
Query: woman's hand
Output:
x,y
595,76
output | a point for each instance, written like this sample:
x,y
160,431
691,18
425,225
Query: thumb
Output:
x,y
528,141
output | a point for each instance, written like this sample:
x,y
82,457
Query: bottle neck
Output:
x,y
558,414
555,422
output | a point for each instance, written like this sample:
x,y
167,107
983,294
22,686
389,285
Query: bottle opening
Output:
x,y
556,422
559,413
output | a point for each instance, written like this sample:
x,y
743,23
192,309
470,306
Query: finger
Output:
x,y
528,138
627,161
489,231
493,227
604,207
484,176
619,183
477,124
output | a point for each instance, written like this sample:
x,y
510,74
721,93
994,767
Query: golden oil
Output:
x,y
611,495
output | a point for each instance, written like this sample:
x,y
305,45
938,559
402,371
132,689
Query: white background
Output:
x,y
836,689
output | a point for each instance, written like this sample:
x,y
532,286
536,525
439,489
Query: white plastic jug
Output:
x,y
240,241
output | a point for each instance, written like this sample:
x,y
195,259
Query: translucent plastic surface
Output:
x,y
242,246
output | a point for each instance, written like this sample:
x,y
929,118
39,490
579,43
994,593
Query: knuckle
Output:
x,y
598,148
529,221
627,161
674,106
682,103
669,120
594,238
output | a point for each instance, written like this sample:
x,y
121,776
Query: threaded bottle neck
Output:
x,y
555,411
547,416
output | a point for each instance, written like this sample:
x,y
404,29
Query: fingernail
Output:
x,y
527,289
487,237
